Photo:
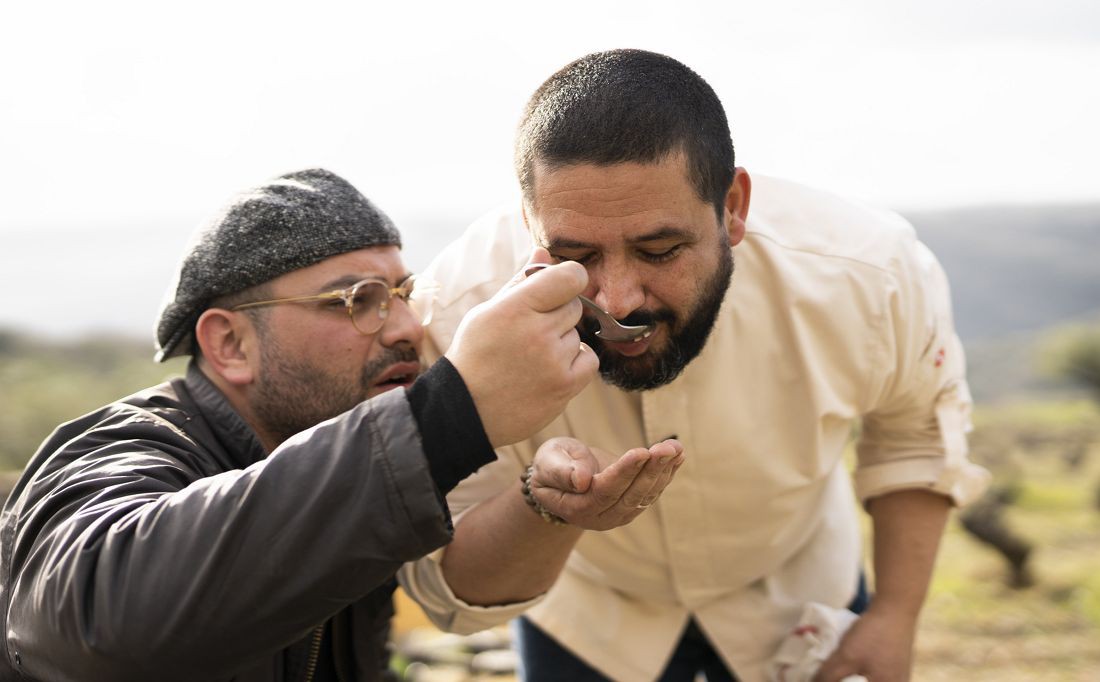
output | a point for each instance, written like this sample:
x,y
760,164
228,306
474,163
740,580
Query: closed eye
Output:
x,y
661,256
583,259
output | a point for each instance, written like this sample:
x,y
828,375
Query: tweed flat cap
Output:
x,y
288,223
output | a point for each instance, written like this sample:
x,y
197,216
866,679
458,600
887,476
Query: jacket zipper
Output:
x,y
314,652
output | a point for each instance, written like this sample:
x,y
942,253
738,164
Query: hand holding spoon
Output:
x,y
610,328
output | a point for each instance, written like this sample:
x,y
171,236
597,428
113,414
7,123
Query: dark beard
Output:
x,y
686,337
294,395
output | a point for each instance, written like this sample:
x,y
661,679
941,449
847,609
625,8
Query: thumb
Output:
x,y
561,283
539,258
539,255
566,464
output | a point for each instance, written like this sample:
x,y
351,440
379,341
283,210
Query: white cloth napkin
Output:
x,y
809,643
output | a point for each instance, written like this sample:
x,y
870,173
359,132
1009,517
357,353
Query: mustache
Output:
x,y
637,317
402,352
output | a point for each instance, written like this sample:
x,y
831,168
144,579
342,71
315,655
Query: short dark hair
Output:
x,y
627,106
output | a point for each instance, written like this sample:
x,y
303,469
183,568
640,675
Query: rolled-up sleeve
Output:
x,y
423,580
914,434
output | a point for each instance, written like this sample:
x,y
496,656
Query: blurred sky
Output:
x,y
124,123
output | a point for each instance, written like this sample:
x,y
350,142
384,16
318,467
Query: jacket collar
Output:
x,y
234,434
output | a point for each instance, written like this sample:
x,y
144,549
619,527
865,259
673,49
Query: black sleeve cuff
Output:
x,y
450,428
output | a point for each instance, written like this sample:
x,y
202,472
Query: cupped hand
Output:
x,y
593,490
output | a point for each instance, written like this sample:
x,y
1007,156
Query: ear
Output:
x,y
737,205
229,344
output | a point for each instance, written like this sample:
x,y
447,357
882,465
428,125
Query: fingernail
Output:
x,y
573,478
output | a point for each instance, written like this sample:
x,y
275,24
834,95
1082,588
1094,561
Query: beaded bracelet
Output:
x,y
546,514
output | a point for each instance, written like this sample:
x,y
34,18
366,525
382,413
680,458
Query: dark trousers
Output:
x,y
542,659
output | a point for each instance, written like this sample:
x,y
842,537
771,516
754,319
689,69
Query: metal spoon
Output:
x,y
610,328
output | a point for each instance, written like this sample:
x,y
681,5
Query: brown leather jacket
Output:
x,y
153,539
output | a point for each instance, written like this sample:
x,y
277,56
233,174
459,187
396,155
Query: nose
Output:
x,y
618,289
402,324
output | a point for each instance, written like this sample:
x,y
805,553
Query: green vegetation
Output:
x,y
45,383
1080,359
976,627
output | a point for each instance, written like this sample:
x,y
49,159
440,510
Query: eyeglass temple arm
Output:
x,y
314,297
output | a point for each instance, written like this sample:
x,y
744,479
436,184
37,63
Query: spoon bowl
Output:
x,y
610,328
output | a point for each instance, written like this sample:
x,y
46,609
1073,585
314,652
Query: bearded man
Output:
x,y
836,314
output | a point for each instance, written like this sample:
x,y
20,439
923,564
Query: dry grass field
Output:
x,y
974,627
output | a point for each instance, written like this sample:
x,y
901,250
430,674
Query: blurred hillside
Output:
x,y
1016,269
1021,276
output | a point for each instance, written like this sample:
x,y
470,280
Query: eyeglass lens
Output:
x,y
369,306
371,301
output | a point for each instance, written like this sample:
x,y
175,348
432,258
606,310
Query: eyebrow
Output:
x,y
657,235
348,280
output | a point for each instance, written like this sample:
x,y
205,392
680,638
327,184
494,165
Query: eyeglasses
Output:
x,y
368,301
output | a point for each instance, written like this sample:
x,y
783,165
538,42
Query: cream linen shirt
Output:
x,y
836,314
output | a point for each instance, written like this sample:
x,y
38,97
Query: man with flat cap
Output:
x,y
244,522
